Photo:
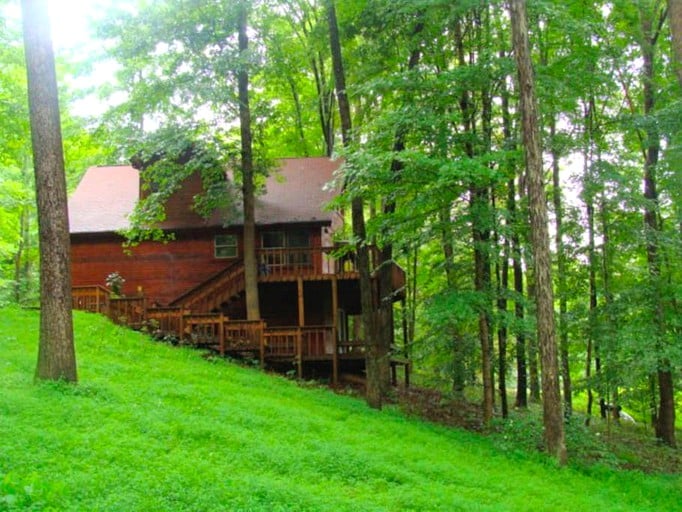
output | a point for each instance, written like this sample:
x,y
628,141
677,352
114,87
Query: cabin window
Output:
x,y
225,246
273,240
298,239
286,240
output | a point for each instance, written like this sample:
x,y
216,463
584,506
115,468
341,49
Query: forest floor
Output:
x,y
615,444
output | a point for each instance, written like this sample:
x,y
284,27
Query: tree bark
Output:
x,y
675,21
384,318
56,351
561,277
665,417
248,191
374,359
458,346
551,399
521,399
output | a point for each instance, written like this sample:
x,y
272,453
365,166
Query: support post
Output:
x,y
261,327
335,321
299,353
221,334
301,323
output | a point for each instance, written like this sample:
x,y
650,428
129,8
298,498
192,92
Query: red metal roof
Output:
x,y
295,192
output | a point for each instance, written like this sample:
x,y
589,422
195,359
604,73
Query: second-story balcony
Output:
x,y
290,263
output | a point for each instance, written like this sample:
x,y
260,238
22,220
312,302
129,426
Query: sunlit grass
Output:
x,y
151,427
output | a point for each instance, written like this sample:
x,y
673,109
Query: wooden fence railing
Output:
x,y
216,330
91,298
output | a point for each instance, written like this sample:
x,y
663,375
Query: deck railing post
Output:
x,y
261,335
299,352
221,334
335,320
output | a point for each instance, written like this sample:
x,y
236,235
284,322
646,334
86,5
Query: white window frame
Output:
x,y
225,242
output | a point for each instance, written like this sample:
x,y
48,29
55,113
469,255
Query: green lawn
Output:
x,y
152,427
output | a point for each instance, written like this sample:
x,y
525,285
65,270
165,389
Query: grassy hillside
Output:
x,y
151,427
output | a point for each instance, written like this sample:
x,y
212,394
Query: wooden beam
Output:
x,y
221,334
335,321
301,323
299,352
301,302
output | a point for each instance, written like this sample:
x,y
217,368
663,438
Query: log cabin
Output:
x,y
192,286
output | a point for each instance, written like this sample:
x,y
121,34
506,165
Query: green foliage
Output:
x,y
156,427
166,158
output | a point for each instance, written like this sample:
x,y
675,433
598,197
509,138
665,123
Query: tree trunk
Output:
x,y
385,307
458,346
675,21
665,418
502,275
250,263
520,348
591,344
374,359
561,277
478,207
551,399
56,352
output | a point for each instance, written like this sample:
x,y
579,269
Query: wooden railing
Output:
x,y
91,298
215,330
166,321
309,261
130,311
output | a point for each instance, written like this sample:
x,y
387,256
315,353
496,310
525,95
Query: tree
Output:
x,y
248,188
675,19
375,358
56,352
551,399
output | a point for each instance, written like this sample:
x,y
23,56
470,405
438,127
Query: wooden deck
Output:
x,y
192,319
215,331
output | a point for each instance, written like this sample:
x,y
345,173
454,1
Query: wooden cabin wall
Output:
x,y
162,271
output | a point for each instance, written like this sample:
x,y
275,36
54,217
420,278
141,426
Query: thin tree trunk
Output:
x,y
56,351
521,371
551,398
458,346
481,236
502,276
374,359
675,21
561,277
520,347
248,190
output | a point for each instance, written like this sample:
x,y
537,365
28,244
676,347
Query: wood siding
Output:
x,y
161,271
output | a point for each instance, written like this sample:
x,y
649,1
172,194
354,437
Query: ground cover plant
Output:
x,y
154,427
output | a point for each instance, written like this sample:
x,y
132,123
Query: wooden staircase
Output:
x,y
217,289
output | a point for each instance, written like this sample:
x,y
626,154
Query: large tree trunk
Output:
x,y
384,319
250,263
374,359
665,417
56,352
551,399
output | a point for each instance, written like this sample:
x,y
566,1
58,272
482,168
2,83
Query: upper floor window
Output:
x,y
289,240
282,239
225,246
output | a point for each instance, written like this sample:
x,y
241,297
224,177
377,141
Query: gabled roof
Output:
x,y
295,192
